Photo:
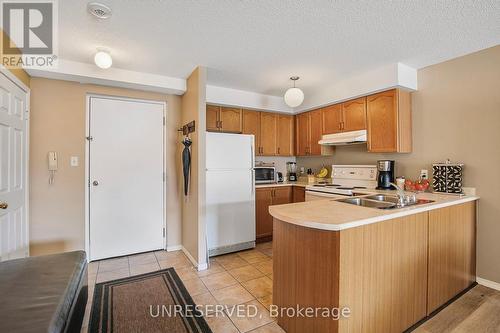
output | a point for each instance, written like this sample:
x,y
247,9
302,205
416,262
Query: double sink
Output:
x,y
382,201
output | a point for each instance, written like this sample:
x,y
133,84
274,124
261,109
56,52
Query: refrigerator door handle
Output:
x,y
252,169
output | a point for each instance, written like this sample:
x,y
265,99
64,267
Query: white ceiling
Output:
x,y
257,45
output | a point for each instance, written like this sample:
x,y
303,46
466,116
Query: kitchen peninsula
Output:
x,y
390,267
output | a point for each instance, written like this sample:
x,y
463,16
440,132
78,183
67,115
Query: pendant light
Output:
x,y
103,59
294,96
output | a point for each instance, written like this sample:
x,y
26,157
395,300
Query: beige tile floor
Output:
x,y
238,278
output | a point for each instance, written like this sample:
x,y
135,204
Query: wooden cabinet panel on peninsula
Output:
x,y
452,255
265,197
390,274
389,122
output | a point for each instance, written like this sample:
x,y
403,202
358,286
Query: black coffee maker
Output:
x,y
385,174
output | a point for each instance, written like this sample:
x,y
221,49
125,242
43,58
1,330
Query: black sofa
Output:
x,y
43,294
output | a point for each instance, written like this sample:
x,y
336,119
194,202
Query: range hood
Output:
x,y
345,138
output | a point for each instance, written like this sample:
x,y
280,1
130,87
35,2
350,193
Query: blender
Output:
x,y
291,168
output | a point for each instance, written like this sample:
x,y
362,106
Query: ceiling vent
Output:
x,y
99,10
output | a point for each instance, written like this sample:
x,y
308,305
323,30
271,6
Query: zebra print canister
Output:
x,y
447,177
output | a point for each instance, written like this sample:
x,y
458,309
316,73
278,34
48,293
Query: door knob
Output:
x,y
95,183
4,205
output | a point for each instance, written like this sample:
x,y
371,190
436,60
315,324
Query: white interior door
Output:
x,y
13,148
125,177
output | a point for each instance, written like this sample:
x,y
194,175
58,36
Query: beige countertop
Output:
x,y
297,183
329,214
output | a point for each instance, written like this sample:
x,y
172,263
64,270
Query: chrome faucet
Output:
x,y
403,199
401,194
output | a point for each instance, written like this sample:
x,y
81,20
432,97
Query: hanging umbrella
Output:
x,y
186,162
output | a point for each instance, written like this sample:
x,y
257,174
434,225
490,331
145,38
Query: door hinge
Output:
x,y
90,138
164,121
163,232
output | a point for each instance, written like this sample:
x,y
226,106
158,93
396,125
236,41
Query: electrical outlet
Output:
x,y
424,174
74,161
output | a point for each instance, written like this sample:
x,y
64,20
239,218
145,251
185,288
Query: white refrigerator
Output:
x,y
230,192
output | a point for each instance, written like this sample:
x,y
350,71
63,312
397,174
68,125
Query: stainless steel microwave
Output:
x,y
265,175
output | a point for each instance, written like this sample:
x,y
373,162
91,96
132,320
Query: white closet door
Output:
x,y
13,147
126,177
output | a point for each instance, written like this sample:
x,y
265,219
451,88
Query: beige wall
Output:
x,y
193,209
58,113
456,115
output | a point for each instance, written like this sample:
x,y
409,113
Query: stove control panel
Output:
x,y
354,172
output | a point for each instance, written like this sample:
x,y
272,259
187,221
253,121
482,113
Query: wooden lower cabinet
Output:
x,y
390,274
263,220
452,255
298,194
265,197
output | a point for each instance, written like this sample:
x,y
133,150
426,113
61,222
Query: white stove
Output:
x,y
346,181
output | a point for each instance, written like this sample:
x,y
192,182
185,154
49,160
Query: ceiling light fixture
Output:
x,y
103,59
294,96
99,10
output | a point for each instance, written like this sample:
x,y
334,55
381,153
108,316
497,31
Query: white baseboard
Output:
x,y
174,248
200,267
488,283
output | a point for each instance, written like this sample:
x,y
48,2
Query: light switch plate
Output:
x,y
74,161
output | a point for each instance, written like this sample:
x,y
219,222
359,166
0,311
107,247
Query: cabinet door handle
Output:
x,y
340,126
278,150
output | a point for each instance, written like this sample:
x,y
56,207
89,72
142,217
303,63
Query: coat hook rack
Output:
x,y
188,128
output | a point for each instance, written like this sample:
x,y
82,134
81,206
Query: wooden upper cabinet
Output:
x,y
285,135
354,115
230,120
251,125
213,117
302,129
315,132
331,117
268,133
389,122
